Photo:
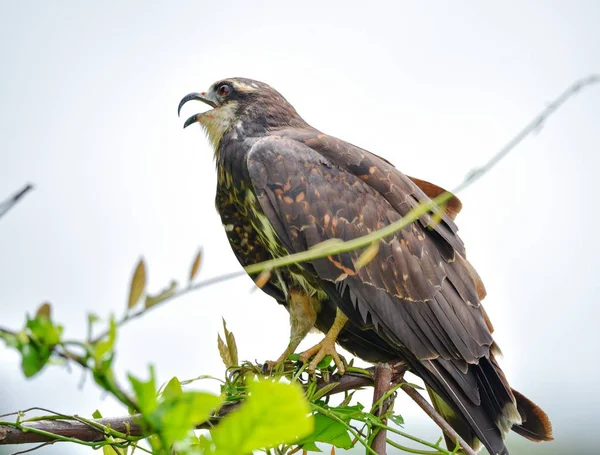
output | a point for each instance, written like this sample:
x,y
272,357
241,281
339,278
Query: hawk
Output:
x,y
284,186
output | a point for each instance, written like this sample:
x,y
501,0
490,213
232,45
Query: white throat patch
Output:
x,y
217,121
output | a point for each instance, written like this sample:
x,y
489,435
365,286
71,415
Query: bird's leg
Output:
x,y
327,345
303,315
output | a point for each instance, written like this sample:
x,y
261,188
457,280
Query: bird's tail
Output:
x,y
487,412
479,396
535,424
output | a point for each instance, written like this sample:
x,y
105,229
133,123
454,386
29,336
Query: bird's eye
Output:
x,y
224,90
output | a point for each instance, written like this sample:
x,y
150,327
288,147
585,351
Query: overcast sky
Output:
x,y
88,98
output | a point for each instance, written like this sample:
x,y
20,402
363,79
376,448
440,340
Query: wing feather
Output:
x,y
414,290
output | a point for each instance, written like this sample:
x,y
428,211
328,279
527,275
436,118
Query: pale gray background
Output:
x,y
88,97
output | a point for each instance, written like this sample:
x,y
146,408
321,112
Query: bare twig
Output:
x,y
68,428
11,201
192,287
437,418
383,381
33,449
532,127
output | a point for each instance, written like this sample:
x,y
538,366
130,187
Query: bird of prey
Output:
x,y
283,187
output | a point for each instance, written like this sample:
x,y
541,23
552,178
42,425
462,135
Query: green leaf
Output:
x,y
97,414
347,399
329,431
113,450
33,360
138,284
105,346
37,341
274,413
104,376
43,331
178,414
397,419
310,447
414,386
145,392
172,389
347,413
324,390
325,362
152,300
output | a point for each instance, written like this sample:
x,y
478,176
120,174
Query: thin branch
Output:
x,y
383,382
532,127
72,429
417,440
411,450
33,449
192,287
437,418
12,201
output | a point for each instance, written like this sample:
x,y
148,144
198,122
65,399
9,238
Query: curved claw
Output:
x,y
319,351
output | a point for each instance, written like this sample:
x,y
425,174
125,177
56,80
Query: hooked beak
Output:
x,y
195,96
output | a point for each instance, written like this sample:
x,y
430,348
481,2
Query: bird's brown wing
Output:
x,y
381,174
453,206
415,293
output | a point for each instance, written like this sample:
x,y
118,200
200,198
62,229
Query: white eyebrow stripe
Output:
x,y
242,87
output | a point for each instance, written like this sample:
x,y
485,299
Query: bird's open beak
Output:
x,y
195,96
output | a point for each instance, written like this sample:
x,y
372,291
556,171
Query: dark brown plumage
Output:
x,y
284,187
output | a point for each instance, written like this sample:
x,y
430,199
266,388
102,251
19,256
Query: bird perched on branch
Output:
x,y
284,187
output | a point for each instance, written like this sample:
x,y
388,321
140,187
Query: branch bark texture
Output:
x,y
383,382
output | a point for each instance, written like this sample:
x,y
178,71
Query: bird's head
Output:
x,y
252,107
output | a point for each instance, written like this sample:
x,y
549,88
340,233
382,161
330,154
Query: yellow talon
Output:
x,y
319,351
327,346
